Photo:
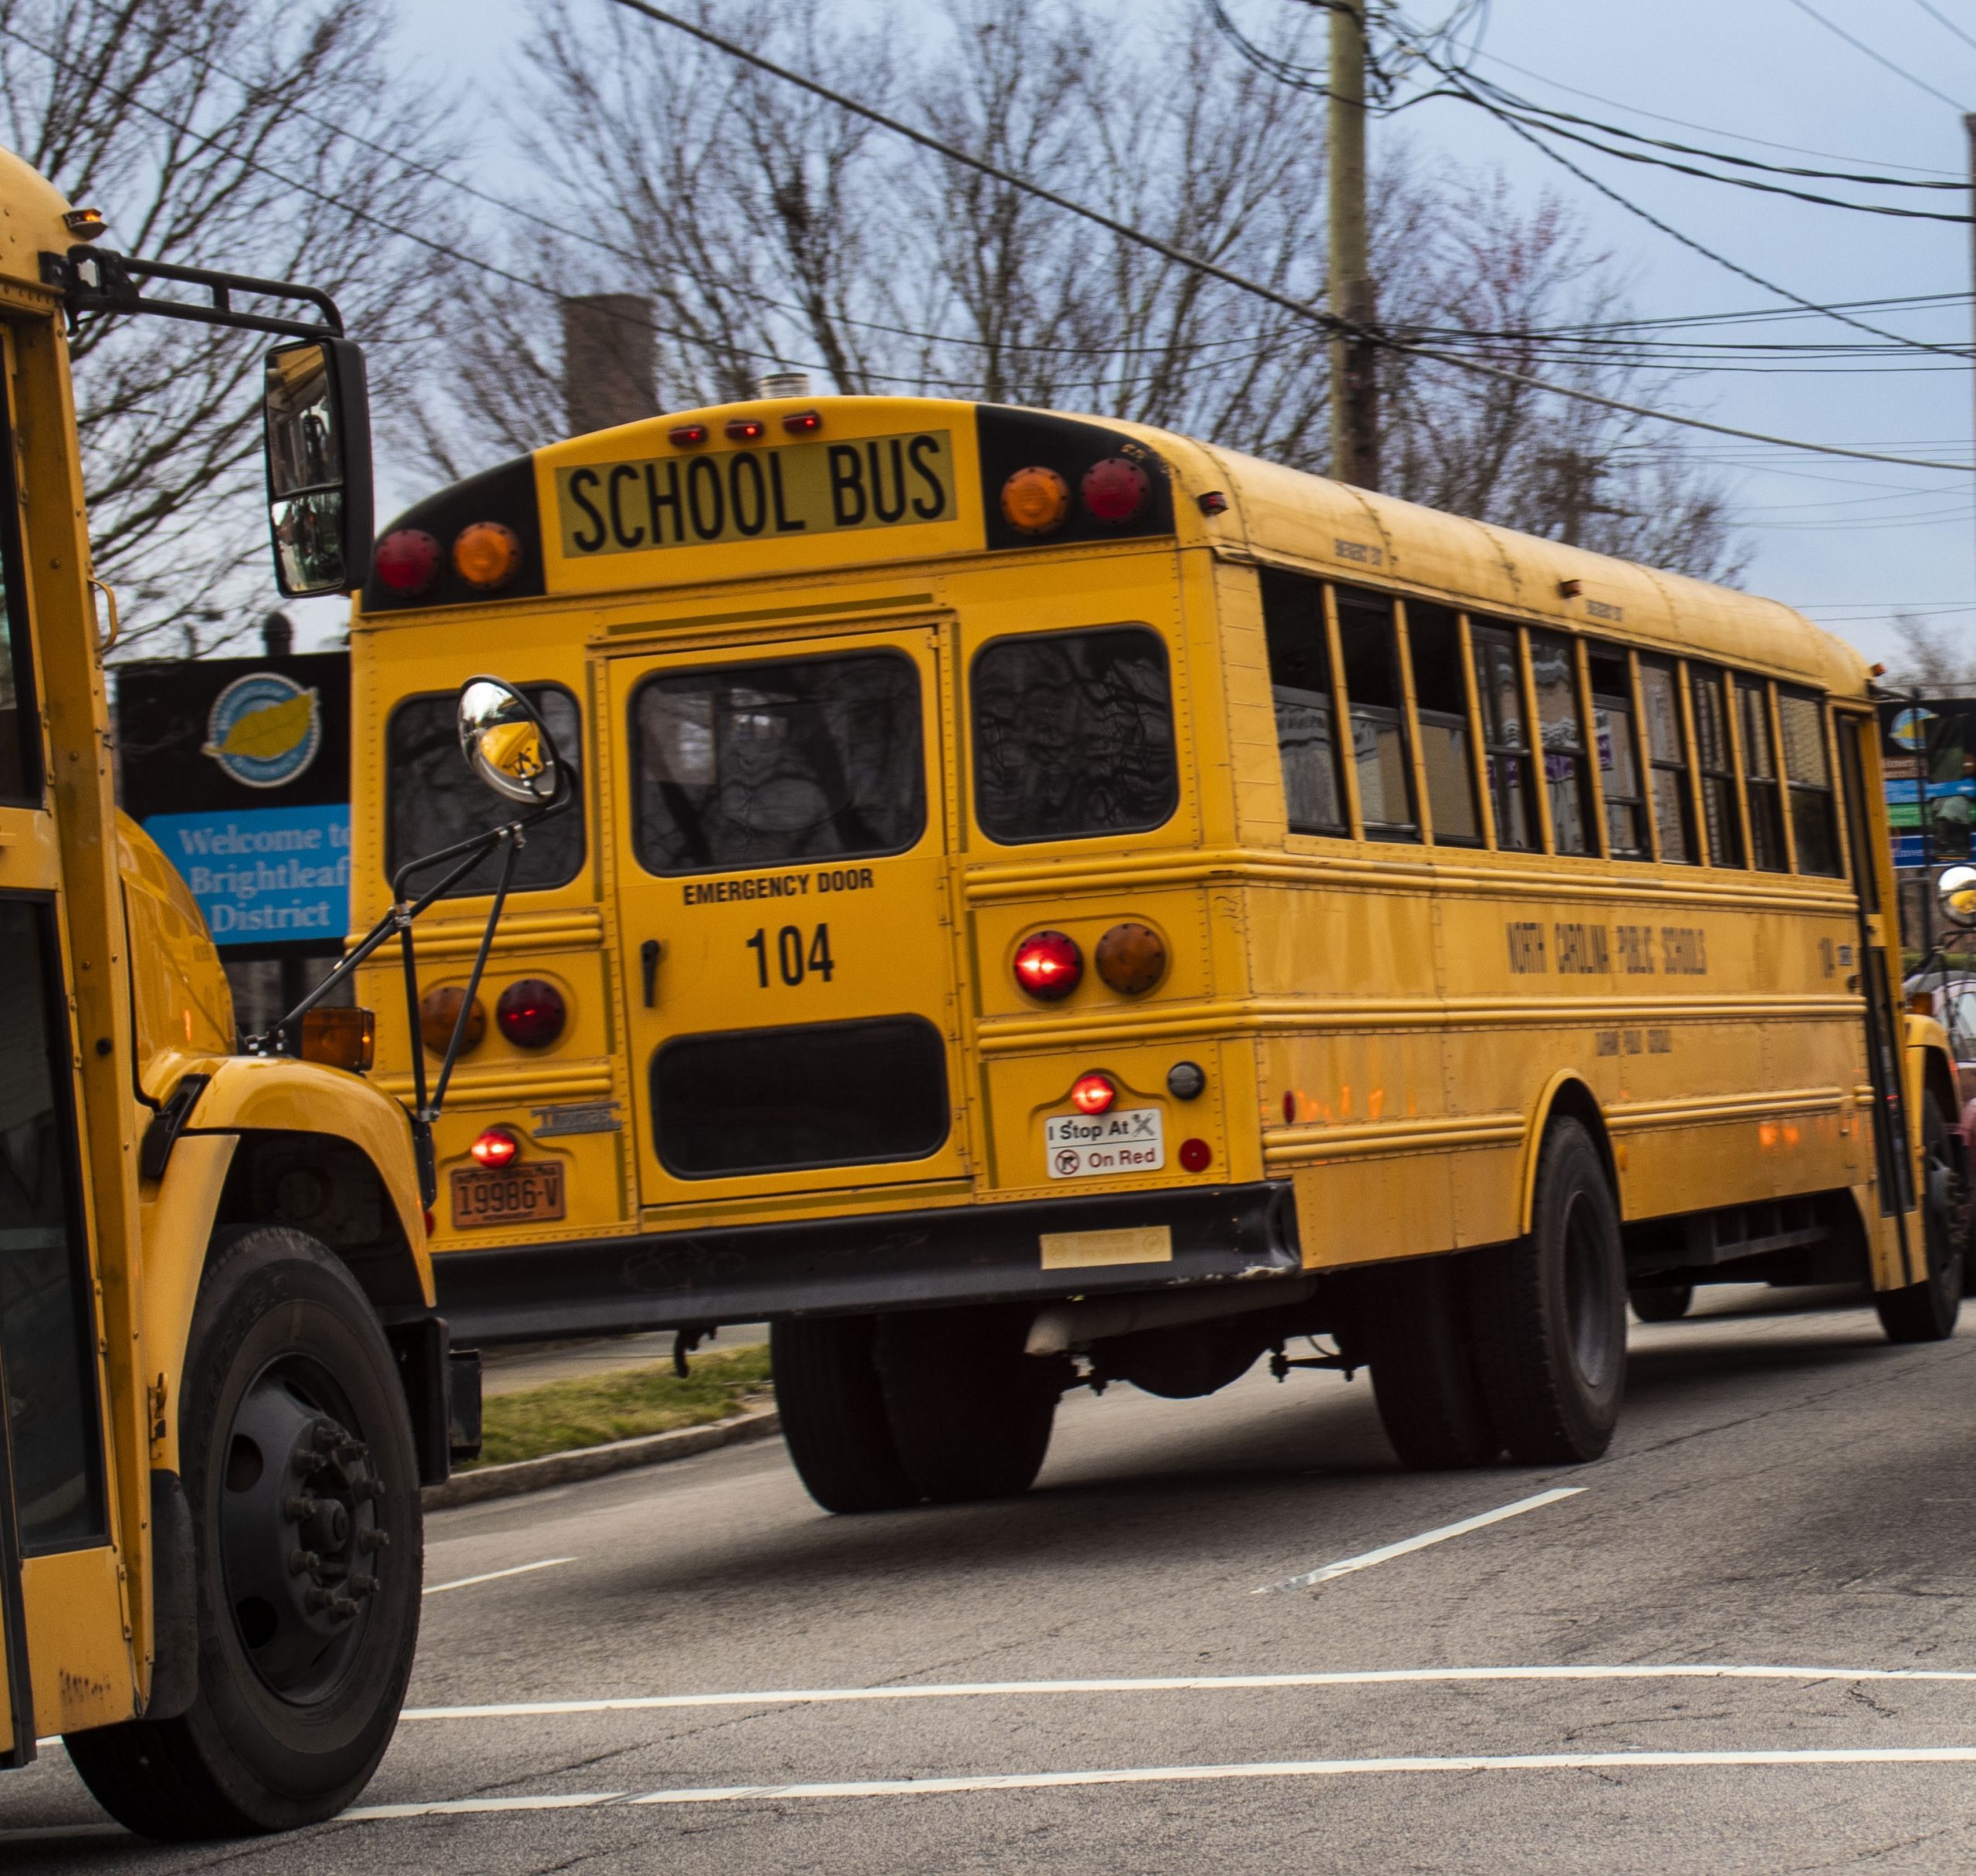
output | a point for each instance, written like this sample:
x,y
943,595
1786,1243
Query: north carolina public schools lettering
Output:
x,y
691,500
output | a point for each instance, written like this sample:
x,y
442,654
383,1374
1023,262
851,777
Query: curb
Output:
x,y
507,1482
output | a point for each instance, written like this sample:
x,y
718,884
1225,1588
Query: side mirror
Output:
x,y
1956,889
505,743
316,416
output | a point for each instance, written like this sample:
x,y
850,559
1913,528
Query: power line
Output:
x,y
1879,58
1331,322
1942,19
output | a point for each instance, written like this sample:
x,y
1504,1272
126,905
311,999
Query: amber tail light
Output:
x,y
343,1037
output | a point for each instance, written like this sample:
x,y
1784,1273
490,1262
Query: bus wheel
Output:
x,y
833,1410
1925,1311
1661,1302
971,1412
1550,1312
308,1553
1414,1323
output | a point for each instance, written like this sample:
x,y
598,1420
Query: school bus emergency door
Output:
x,y
780,859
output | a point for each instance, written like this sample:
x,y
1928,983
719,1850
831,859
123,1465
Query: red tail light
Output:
x,y
531,1013
1114,489
495,1147
1048,965
1092,1094
406,559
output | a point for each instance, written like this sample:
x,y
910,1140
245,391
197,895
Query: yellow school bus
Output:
x,y
1057,902
222,1380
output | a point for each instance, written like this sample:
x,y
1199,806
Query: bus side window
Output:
x,y
1300,679
1807,779
1718,768
1616,736
1440,700
1673,806
1760,776
1377,704
1500,691
1563,740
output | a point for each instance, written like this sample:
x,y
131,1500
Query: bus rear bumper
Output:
x,y
959,1254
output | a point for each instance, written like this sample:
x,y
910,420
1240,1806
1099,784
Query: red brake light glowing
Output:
x,y
531,1013
1092,1094
496,1147
406,559
744,429
1114,489
1048,965
685,435
801,423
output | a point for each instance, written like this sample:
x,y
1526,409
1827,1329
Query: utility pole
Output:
x,y
1355,405
1969,130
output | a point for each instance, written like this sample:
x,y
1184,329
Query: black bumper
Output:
x,y
964,1254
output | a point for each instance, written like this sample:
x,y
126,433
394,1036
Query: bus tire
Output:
x,y
833,1410
971,1412
1550,1312
289,1397
1414,1327
1927,1311
1661,1302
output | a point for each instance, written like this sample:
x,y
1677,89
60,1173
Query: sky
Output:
x,y
1849,543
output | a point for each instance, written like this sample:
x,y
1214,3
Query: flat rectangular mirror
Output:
x,y
317,439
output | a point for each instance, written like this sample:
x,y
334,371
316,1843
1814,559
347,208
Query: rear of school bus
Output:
x,y
911,976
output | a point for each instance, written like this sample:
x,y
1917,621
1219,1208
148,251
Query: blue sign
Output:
x,y
265,875
1910,850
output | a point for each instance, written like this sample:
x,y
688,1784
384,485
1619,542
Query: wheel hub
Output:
x,y
300,1545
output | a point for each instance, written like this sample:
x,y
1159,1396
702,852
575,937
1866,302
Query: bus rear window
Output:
x,y
1073,735
753,765
433,799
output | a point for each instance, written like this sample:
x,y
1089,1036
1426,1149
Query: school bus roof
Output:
x,y
31,211
600,511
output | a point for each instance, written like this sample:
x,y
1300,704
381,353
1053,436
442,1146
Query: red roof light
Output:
x,y
685,435
801,423
1048,965
1114,489
744,429
406,559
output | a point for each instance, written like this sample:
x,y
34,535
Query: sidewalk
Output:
x,y
516,1365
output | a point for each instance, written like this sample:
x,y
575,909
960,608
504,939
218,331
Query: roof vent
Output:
x,y
782,384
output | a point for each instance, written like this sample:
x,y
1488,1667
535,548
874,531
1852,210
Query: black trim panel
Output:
x,y
962,1253
505,493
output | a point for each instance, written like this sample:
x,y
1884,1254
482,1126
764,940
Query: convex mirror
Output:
x,y
316,435
505,743
1956,889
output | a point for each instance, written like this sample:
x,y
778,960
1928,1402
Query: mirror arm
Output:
x,y
511,836
100,280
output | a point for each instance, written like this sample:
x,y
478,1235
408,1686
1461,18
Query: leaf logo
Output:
x,y
264,730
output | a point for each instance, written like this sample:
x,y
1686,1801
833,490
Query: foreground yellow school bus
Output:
x,y
1055,900
220,1376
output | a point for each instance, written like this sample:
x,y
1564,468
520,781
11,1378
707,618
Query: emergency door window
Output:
x,y
47,1337
754,765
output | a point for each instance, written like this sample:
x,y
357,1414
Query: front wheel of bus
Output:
x,y
833,1409
1927,1311
1550,1312
307,1556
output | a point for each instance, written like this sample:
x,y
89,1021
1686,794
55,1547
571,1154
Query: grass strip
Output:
x,y
561,1417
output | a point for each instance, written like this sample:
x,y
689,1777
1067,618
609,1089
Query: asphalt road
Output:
x,y
1787,1492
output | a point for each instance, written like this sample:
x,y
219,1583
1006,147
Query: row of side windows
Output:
x,y
1536,730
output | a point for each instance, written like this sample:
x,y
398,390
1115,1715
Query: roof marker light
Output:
x,y
685,435
744,429
802,423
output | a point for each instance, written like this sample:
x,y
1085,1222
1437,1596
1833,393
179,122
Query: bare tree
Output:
x,y
1932,663
768,227
265,137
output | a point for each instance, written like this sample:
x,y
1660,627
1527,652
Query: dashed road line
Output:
x,y
1345,1567
495,1575
1184,1684
1166,1775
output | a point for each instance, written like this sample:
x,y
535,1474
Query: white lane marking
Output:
x,y
1163,1774
495,1575
1345,1566
1183,1683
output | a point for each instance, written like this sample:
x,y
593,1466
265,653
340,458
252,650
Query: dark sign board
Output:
x,y
239,768
1928,754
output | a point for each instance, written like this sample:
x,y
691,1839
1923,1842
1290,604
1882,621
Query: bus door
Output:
x,y
17,1729
784,930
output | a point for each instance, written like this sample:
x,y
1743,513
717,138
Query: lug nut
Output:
x,y
303,1562
373,1540
300,1510
363,1583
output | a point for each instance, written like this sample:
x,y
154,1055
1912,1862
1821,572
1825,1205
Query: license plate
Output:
x,y
1100,1146
529,1192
